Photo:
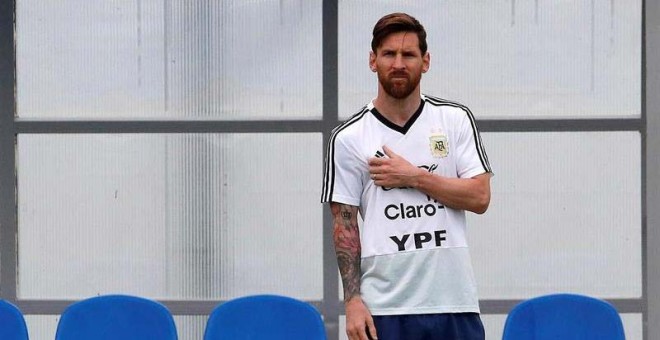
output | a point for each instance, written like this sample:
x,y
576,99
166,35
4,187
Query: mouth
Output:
x,y
399,75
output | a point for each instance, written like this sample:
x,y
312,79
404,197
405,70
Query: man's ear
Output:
x,y
372,61
426,60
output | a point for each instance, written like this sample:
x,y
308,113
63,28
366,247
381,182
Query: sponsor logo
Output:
x,y
402,211
420,240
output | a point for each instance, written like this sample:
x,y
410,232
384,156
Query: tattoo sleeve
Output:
x,y
346,237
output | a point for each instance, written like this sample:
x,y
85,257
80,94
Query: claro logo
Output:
x,y
396,211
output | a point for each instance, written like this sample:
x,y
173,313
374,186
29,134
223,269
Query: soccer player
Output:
x,y
411,164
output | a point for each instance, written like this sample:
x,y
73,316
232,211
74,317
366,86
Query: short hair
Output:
x,y
395,23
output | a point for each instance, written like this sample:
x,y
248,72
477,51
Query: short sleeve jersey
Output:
x,y
415,257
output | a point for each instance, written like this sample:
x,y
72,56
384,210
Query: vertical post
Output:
x,y
331,306
651,134
8,227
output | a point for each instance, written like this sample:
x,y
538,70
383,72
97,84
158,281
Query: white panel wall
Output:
x,y
513,59
169,216
565,216
169,59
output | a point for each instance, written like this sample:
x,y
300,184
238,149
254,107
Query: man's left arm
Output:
x,y
471,194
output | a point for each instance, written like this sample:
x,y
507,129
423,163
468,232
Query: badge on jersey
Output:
x,y
439,145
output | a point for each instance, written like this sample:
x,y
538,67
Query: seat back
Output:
x,y
12,322
116,317
563,316
265,317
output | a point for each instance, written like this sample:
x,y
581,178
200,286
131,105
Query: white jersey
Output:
x,y
415,257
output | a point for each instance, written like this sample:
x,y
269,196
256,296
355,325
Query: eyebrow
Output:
x,y
402,50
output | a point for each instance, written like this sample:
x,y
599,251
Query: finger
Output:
x,y
375,161
375,170
352,335
356,334
371,327
389,152
363,334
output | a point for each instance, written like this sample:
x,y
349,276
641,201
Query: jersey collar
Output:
x,y
401,129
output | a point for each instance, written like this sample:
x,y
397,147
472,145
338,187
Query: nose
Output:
x,y
398,62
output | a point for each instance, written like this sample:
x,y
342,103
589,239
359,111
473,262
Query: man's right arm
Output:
x,y
346,236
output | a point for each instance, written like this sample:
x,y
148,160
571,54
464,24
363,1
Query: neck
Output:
x,y
398,111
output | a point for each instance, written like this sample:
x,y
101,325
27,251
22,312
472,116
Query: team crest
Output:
x,y
439,145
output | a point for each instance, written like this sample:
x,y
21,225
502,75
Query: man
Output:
x,y
411,164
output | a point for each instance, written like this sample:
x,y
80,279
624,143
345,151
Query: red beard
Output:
x,y
399,84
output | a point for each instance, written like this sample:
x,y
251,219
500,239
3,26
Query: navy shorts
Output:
x,y
452,326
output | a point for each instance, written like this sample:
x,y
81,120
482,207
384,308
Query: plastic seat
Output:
x,y
563,316
116,317
12,322
265,317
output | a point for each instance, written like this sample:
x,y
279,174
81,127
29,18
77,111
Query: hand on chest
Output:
x,y
431,151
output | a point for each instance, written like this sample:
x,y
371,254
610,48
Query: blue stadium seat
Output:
x,y
265,317
563,316
116,317
12,322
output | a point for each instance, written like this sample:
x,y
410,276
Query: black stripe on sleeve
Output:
x,y
329,171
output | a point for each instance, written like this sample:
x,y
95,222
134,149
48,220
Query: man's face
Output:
x,y
399,64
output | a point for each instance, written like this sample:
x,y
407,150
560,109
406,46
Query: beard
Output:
x,y
399,85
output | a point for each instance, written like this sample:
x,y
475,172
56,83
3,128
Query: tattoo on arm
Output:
x,y
346,236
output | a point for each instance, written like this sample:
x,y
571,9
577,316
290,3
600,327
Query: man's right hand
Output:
x,y
359,321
